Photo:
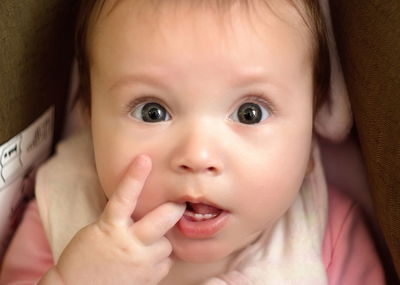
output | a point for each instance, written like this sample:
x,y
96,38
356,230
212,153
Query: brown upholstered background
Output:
x,y
368,37
36,48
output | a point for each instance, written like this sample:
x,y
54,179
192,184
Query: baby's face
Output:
x,y
223,106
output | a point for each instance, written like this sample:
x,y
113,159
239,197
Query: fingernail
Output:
x,y
183,207
179,207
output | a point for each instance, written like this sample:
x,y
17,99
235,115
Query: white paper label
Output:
x,y
20,153
18,157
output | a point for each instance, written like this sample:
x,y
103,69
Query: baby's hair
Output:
x,y
312,16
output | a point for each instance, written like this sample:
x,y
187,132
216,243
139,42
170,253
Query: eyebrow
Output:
x,y
255,76
246,78
147,78
158,79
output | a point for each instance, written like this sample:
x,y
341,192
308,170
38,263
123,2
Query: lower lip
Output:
x,y
203,229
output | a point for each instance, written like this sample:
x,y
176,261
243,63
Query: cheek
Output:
x,y
272,176
112,159
116,144
114,153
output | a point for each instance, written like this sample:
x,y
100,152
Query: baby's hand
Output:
x,y
116,249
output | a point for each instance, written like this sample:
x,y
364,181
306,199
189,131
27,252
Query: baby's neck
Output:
x,y
194,273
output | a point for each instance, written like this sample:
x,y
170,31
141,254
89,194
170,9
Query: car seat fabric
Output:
x,y
368,40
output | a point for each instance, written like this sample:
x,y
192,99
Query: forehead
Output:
x,y
171,29
163,12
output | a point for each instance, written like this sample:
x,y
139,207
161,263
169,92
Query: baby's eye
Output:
x,y
150,112
250,113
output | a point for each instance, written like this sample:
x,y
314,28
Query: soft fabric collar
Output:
x,y
70,197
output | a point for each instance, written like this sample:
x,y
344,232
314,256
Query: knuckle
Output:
x,y
125,249
105,227
121,198
166,245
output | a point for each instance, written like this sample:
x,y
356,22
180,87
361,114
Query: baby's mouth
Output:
x,y
198,212
202,220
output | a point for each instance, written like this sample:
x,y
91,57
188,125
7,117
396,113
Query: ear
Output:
x,y
334,119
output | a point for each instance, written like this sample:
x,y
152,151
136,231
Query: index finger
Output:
x,y
158,222
122,202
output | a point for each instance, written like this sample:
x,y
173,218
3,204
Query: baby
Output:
x,y
201,165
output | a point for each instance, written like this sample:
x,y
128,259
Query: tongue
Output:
x,y
204,209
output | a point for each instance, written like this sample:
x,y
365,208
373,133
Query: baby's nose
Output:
x,y
197,163
197,153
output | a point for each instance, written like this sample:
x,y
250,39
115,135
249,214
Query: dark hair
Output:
x,y
313,19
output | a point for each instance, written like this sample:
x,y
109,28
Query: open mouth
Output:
x,y
202,220
198,212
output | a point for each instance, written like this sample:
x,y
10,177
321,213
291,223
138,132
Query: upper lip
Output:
x,y
194,200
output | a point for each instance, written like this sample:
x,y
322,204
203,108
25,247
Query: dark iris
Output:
x,y
153,112
249,113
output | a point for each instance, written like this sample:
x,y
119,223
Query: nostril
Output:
x,y
185,167
212,169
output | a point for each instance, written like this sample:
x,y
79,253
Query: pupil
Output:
x,y
153,112
250,113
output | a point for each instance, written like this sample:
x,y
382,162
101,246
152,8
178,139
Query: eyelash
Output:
x,y
258,98
136,102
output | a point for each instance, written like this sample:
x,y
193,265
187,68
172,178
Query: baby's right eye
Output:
x,y
150,112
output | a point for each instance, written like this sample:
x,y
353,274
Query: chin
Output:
x,y
200,251
199,256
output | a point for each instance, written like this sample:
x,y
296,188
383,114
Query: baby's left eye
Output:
x,y
250,113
